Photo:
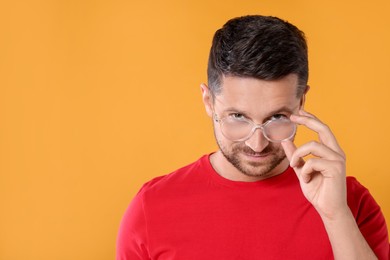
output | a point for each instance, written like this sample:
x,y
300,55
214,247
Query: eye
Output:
x,y
237,116
278,117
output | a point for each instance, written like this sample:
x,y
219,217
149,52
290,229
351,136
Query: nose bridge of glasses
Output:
x,y
278,132
259,126
254,128
257,141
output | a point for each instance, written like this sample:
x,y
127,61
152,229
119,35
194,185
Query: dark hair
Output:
x,y
261,47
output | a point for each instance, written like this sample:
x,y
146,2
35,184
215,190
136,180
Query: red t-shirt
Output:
x,y
194,213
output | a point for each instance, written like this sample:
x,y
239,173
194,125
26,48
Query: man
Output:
x,y
256,198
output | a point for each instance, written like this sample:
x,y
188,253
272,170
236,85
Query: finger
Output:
x,y
289,149
305,113
311,167
314,124
316,149
324,133
328,169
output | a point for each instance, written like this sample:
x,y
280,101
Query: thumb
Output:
x,y
289,148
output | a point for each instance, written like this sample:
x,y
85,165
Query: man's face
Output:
x,y
258,101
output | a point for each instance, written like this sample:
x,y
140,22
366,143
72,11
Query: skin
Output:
x,y
323,182
255,158
322,177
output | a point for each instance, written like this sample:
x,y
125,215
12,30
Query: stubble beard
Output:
x,y
250,168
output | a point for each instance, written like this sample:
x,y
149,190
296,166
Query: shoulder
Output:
x,y
357,194
368,216
354,187
166,186
184,176
360,200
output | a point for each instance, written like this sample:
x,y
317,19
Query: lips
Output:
x,y
258,156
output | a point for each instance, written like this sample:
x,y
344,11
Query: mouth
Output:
x,y
256,156
251,156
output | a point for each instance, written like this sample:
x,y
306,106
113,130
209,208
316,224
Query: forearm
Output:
x,y
346,239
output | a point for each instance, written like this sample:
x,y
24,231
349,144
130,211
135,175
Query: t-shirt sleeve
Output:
x,y
132,236
369,218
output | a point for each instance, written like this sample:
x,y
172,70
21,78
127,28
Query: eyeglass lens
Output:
x,y
275,130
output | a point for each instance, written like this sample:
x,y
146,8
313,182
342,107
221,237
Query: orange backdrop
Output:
x,y
97,97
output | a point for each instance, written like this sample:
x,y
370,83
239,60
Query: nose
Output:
x,y
257,142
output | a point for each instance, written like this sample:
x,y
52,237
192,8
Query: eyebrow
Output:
x,y
282,109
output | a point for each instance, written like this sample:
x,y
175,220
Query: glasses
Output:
x,y
238,128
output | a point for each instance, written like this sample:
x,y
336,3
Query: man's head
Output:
x,y
257,72
261,47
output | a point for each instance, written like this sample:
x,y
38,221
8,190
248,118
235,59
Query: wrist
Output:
x,y
345,237
339,215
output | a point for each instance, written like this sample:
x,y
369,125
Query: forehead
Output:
x,y
256,96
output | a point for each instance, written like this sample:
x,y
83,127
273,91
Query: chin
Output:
x,y
265,168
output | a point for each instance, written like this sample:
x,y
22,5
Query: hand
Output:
x,y
322,178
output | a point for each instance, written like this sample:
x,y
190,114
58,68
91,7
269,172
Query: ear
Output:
x,y
207,99
303,98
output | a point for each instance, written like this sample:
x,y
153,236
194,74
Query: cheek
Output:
x,y
278,149
275,146
226,144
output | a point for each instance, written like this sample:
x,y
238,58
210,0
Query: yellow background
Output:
x,y
97,97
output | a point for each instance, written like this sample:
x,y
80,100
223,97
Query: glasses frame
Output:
x,y
254,128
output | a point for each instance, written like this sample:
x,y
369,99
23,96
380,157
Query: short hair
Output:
x,y
262,47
